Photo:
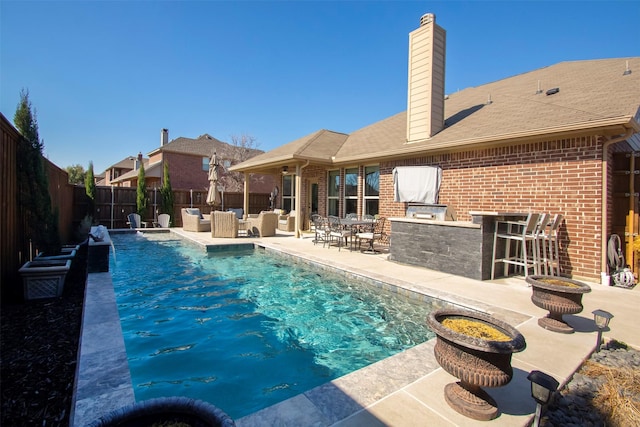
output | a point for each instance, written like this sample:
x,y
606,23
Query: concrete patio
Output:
x,y
403,390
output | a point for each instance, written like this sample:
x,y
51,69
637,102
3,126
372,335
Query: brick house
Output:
x,y
559,139
188,161
115,171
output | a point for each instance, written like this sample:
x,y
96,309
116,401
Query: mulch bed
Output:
x,y
38,355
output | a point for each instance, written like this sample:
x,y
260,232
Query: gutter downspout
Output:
x,y
298,199
604,196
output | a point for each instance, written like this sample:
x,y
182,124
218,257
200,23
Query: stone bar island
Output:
x,y
464,248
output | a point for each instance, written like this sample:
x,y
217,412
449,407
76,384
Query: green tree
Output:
x,y
76,174
90,189
141,194
40,223
166,193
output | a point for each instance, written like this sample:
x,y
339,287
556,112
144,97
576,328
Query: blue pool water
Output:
x,y
245,330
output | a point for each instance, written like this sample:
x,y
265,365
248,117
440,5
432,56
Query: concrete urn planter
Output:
x,y
167,411
558,295
477,359
44,278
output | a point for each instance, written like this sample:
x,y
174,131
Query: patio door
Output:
x,y
312,197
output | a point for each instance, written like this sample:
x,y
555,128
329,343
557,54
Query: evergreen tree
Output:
x,y
90,190
41,224
167,194
141,193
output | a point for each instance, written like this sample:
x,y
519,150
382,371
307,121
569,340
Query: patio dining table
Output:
x,y
356,225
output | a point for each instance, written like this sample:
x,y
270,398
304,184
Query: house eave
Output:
x,y
605,127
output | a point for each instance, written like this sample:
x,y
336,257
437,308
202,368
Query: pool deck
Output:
x,y
404,390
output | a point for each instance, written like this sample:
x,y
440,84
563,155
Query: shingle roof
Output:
x,y
153,170
593,94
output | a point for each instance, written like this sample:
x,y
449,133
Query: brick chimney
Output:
x,y
164,137
425,103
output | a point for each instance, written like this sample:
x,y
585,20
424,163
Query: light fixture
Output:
x,y
602,319
542,388
285,170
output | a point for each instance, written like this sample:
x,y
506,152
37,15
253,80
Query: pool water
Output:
x,y
247,329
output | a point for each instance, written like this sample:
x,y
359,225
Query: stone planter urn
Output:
x,y
167,411
476,348
558,295
44,278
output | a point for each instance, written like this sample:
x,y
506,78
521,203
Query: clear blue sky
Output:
x,y
106,76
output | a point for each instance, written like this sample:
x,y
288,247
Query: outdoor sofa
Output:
x,y
192,220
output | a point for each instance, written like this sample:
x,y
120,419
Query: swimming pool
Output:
x,y
247,329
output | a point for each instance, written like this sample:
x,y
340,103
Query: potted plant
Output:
x,y
558,295
476,348
167,411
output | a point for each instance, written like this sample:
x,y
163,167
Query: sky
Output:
x,y
104,77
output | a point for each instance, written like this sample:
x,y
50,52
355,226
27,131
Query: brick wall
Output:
x,y
186,171
561,176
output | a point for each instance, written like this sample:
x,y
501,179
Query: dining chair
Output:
x,y
338,231
321,229
373,234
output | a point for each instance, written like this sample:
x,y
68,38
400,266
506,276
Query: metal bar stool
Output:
x,y
525,235
549,237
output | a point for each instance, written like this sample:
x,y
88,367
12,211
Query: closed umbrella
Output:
x,y
213,196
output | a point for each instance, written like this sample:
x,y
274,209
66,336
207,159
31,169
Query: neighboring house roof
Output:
x,y
153,170
127,163
593,95
203,146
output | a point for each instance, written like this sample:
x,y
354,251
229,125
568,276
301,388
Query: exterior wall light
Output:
x,y
602,319
542,388
285,170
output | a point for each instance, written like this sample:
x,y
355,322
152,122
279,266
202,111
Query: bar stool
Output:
x,y
541,244
525,235
549,237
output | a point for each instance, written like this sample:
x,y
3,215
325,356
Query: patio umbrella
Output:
x,y
213,196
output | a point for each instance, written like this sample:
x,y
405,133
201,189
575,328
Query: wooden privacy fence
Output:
x,y
15,248
112,205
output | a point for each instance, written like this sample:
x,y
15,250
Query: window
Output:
x,y
372,190
205,164
333,193
351,191
288,193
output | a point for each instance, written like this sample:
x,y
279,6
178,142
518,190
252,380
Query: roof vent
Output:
x,y
627,70
427,18
553,91
539,90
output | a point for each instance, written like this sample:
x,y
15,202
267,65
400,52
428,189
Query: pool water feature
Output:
x,y
248,329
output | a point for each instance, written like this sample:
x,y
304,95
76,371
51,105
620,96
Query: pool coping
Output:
x,y
103,380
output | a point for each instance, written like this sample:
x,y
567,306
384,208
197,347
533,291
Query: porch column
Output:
x,y
246,196
298,222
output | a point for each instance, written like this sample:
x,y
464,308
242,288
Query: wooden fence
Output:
x,y
113,204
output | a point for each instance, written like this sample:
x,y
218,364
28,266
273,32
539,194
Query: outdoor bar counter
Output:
x,y
464,248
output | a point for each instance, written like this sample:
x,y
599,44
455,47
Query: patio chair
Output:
x,y
287,222
163,221
134,221
321,229
224,224
192,220
337,231
374,234
264,224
